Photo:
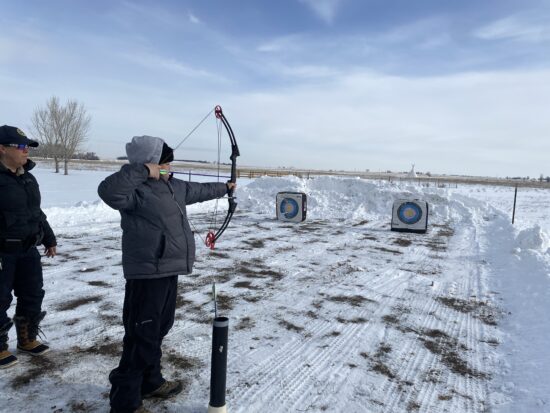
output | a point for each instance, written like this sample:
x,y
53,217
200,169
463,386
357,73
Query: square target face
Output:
x,y
410,216
291,206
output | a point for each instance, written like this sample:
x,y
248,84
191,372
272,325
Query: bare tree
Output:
x,y
44,130
74,127
62,129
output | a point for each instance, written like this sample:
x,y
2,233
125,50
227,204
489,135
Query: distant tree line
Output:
x,y
87,156
527,178
45,150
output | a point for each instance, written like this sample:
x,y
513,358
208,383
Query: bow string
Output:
x,y
213,235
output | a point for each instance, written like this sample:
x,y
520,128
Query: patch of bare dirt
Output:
x,y
353,300
402,242
479,309
78,302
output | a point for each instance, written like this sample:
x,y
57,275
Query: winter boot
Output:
x,y
27,330
166,390
6,358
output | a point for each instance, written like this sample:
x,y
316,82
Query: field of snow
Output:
x,y
336,314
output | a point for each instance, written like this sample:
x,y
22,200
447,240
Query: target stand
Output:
x,y
291,206
410,216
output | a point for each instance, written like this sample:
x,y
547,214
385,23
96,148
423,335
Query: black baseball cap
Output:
x,y
11,134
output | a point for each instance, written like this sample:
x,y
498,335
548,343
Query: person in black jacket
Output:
x,y
23,226
157,246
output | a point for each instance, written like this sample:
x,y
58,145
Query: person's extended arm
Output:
x,y
200,192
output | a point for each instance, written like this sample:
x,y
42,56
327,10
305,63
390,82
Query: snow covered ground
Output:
x,y
336,314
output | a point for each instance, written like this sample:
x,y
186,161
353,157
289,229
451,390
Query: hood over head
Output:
x,y
144,149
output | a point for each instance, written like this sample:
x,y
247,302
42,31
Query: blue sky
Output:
x,y
459,87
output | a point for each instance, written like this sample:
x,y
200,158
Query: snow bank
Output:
x,y
534,238
82,212
354,198
329,197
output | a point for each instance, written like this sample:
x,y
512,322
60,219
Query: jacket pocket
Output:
x,y
161,247
141,247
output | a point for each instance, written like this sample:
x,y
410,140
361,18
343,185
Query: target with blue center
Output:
x,y
409,213
289,208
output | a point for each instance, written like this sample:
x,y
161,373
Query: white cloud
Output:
x,y
269,47
194,19
490,123
26,46
427,31
129,14
156,62
290,43
319,101
524,28
344,50
308,71
325,9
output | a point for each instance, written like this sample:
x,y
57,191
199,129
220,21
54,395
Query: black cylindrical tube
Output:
x,y
219,362
514,210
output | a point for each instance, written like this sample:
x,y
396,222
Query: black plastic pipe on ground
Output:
x,y
218,370
514,210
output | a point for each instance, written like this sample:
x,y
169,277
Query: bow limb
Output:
x,y
213,237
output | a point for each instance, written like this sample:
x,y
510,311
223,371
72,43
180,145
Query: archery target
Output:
x,y
409,213
410,216
291,206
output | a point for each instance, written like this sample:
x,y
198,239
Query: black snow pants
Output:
x,y
21,272
148,315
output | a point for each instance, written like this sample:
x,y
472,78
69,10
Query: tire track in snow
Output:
x,y
475,391
377,290
299,377
392,392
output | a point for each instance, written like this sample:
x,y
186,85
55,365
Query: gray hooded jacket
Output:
x,y
157,240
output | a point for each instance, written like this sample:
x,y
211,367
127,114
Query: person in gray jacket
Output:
x,y
157,246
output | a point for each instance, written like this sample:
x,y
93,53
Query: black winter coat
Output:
x,y
20,214
157,240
